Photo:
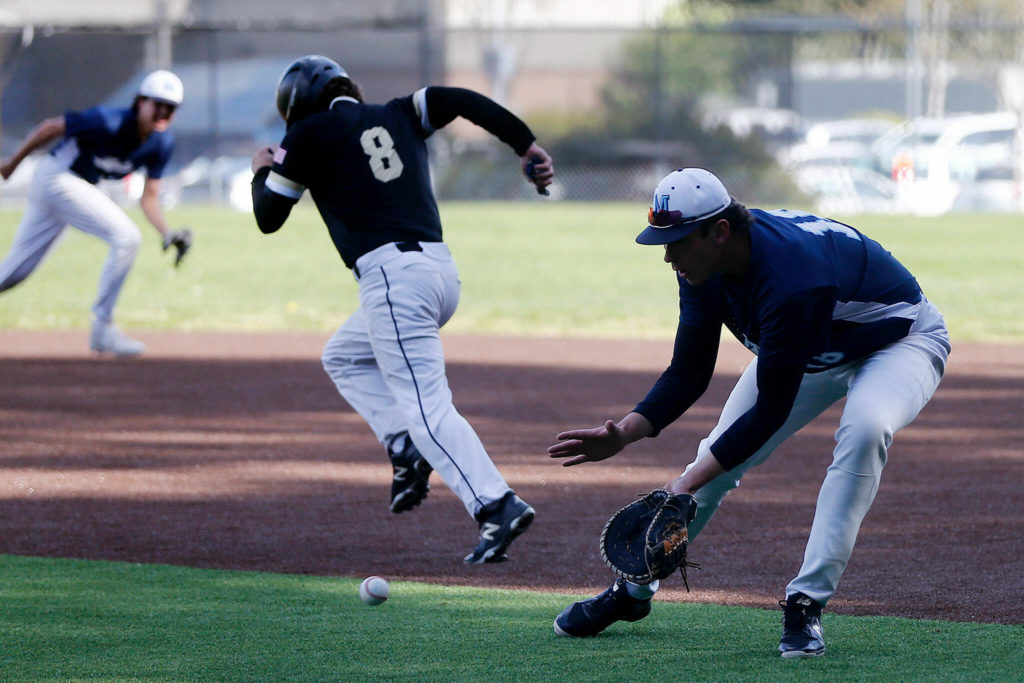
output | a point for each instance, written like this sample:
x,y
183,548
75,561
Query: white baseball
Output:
x,y
374,590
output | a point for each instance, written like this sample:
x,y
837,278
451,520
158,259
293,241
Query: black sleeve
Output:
x,y
271,209
445,104
686,378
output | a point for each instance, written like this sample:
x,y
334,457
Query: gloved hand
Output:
x,y
181,241
646,540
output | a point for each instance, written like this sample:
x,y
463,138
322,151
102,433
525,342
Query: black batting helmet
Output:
x,y
301,84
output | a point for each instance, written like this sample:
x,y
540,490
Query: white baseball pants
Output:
x,y
884,392
58,198
387,361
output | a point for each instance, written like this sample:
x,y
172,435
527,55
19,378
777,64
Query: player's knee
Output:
x,y
328,361
866,432
127,244
862,446
342,369
334,362
341,352
335,369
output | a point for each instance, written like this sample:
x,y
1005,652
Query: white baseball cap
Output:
x,y
683,199
164,86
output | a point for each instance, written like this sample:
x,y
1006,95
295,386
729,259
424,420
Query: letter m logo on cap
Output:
x,y
660,202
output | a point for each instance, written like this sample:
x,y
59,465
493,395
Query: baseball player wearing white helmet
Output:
x,y
828,313
101,142
366,168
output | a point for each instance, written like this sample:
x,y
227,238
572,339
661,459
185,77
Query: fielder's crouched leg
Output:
x,y
802,635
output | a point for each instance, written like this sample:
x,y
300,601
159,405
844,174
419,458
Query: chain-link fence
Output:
x,y
621,92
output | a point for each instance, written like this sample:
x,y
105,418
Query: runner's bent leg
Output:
x,y
349,361
405,301
84,206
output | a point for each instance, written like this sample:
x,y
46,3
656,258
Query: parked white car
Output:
x,y
972,165
856,131
840,189
955,164
848,138
835,165
908,143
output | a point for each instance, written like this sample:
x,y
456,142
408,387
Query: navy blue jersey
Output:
x,y
816,294
860,296
103,142
366,168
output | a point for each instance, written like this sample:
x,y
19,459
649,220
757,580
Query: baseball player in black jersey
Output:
x,y
365,166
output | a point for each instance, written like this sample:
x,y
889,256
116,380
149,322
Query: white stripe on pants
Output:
x,y
387,361
58,198
884,393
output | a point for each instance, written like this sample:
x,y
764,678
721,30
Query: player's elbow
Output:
x,y
266,222
52,128
271,210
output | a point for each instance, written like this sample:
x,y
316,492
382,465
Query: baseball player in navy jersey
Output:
x,y
101,142
828,313
365,166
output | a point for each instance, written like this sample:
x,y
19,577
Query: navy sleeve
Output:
x,y
156,165
445,104
91,122
686,378
794,332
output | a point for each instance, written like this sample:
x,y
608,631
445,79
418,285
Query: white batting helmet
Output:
x,y
164,86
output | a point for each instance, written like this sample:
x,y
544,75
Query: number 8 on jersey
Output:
x,y
380,147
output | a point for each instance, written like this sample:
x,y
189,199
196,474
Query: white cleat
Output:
x,y
105,338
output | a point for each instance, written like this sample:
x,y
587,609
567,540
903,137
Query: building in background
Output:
x,y
549,60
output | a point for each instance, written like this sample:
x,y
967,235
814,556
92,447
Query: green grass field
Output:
x,y
528,268
532,269
98,621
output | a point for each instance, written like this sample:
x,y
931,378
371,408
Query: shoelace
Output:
x,y
682,571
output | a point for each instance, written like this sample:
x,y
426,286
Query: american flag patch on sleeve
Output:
x,y
279,155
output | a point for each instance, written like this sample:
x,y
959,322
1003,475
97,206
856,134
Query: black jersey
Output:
x,y
366,168
366,165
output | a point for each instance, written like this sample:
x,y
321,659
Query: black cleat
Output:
x,y
590,617
801,627
501,521
409,486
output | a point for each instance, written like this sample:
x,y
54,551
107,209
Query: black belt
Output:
x,y
404,245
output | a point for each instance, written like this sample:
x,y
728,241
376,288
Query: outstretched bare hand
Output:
x,y
589,445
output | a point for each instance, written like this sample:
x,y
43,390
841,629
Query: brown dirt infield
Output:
x,y
234,451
